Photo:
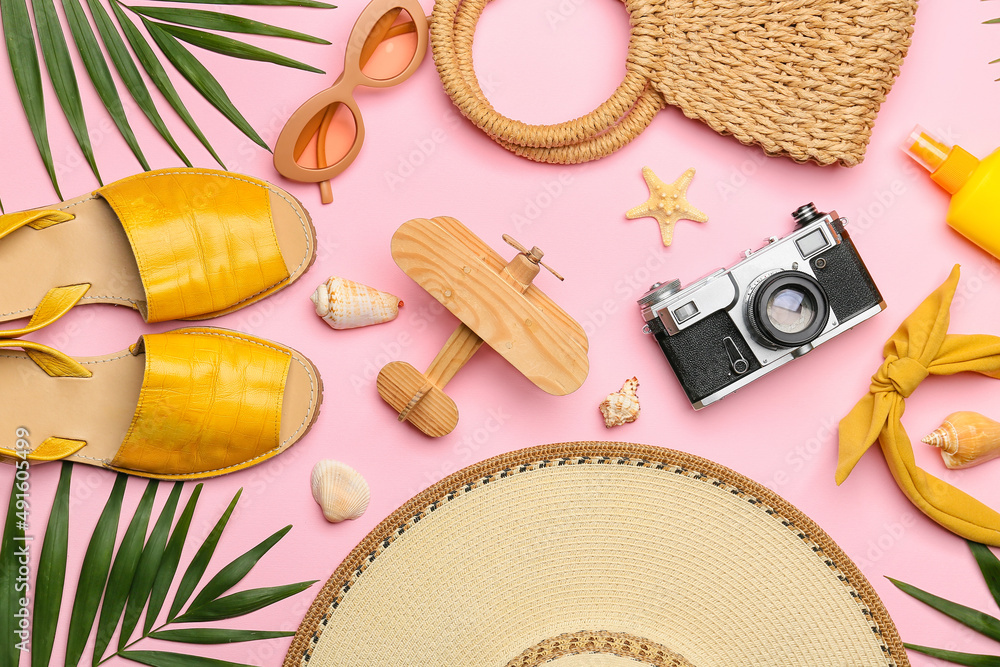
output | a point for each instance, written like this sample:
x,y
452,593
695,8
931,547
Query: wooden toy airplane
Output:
x,y
496,303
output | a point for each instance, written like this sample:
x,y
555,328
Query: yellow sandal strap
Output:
x,y
56,303
210,400
34,219
58,300
51,449
203,240
50,360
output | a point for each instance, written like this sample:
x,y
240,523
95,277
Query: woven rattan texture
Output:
x,y
619,644
544,541
802,78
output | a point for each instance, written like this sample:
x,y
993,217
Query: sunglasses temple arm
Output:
x,y
381,31
325,192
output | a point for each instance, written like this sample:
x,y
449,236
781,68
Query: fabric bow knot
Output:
x,y
920,347
900,375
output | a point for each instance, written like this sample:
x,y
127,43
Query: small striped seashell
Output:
x,y
340,490
345,304
622,406
966,439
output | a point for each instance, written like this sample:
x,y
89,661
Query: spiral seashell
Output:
x,y
622,406
340,490
345,304
966,439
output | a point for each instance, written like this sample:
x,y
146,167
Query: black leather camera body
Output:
x,y
778,303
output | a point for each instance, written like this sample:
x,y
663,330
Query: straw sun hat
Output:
x,y
595,554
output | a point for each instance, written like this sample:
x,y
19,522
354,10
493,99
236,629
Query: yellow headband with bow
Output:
x,y
920,347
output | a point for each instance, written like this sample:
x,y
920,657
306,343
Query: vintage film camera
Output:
x,y
781,301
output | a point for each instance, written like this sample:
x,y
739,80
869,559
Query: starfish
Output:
x,y
667,203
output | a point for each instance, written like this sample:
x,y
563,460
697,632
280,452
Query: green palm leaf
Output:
x,y
59,65
200,78
123,571
129,74
981,622
27,77
149,563
51,573
216,635
233,573
94,573
970,659
199,563
996,20
167,27
55,52
164,659
977,620
242,603
100,75
130,581
199,18
158,75
989,566
283,3
168,564
10,596
228,46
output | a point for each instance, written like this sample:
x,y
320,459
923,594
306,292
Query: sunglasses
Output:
x,y
324,135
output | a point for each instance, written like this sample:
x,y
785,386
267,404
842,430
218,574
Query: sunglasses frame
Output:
x,y
342,91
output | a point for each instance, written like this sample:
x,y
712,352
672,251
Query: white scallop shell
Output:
x,y
345,304
622,406
340,490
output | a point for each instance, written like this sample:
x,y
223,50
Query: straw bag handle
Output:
x,y
599,133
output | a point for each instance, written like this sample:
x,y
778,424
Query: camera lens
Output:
x,y
791,310
788,309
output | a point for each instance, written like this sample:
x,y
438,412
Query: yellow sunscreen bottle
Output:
x,y
973,183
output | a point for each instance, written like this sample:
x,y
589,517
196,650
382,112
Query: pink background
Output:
x,y
546,61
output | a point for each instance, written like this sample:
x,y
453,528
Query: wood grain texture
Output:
x,y
537,337
456,352
435,414
492,258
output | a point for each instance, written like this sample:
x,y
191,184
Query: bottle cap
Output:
x,y
950,166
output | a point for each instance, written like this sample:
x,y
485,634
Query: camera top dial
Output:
x,y
659,291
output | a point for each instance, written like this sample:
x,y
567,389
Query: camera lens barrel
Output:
x,y
788,309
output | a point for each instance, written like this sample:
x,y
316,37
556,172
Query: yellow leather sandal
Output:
x,y
173,244
186,404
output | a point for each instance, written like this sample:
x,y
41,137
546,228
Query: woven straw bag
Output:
x,y
802,78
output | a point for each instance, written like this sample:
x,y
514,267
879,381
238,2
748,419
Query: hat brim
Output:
x,y
592,553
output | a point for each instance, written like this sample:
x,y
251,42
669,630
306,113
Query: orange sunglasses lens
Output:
x,y
327,138
390,47
388,50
